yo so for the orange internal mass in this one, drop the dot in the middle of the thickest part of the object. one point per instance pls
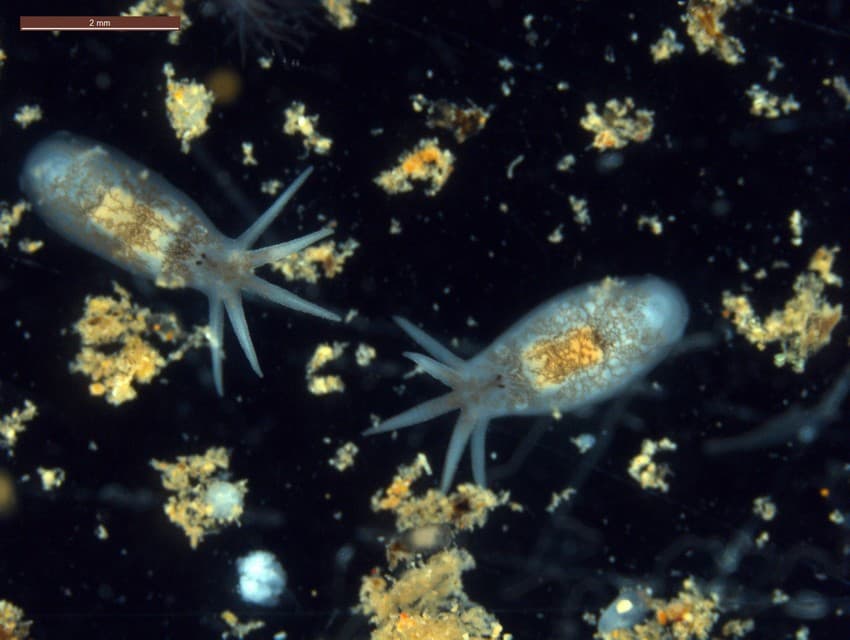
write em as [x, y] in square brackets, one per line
[553, 360]
[417, 161]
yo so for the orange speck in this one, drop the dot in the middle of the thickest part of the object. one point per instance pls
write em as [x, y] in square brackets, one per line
[824, 492]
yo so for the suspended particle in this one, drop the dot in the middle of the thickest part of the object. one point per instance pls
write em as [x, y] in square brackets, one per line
[261, 578]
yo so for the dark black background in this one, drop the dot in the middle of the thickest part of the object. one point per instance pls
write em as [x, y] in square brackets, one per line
[730, 180]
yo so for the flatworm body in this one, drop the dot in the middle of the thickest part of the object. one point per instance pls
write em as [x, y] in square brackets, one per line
[109, 204]
[579, 348]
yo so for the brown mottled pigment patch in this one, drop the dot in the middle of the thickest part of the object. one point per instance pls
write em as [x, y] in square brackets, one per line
[140, 229]
[551, 361]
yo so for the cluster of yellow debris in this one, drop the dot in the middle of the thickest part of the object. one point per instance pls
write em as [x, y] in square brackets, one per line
[14, 424]
[12, 623]
[426, 162]
[341, 12]
[425, 599]
[188, 104]
[297, 122]
[705, 26]
[325, 259]
[162, 8]
[10, 217]
[116, 351]
[803, 326]
[666, 46]
[618, 124]
[691, 615]
[322, 384]
[462, 122]
[765, 104]
[204, 499]
[649, 473]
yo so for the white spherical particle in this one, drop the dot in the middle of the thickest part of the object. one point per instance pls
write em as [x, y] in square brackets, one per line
[261, 578]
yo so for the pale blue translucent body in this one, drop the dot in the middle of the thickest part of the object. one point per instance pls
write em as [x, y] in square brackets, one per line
[634, 324]
[162, 234]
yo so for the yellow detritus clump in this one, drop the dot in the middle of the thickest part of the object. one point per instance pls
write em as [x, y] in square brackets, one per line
[188, 104]
[28, 114]
[248, 158]
[425, 163]
[14, 424]
[764, 508]
[653, 223]
[648, 473]
[322, 355]
[465, 509]
[344, 457]
[204, 499]
[704, 20]
[443, 114]
[551, 361]
[51, 478]
[236, 628]
[30, 246]
[804, 326]
[299, 123]
[691, 615]
[618, 124]
[340, 12]
[10, 217]
[426, 599]
[12, 623]
[364, 354]
[765, 104]
[326, 259]
[427, 602]
[163, 8]
[666, 46]
[116, 353]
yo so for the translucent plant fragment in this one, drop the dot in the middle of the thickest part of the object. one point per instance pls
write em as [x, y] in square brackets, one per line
[803, 326]
[463, 122]
[14, 424]
[426, 162]
[117, 350]
[12, 623]
[297, 122]
[188, 104]
[204, 499]
[704, 19]
[618, 124]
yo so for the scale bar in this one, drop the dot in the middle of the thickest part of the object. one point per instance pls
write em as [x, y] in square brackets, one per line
[100, 23]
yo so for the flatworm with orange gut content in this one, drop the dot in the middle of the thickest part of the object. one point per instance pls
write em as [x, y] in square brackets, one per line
[581, 347]
[109, 204]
